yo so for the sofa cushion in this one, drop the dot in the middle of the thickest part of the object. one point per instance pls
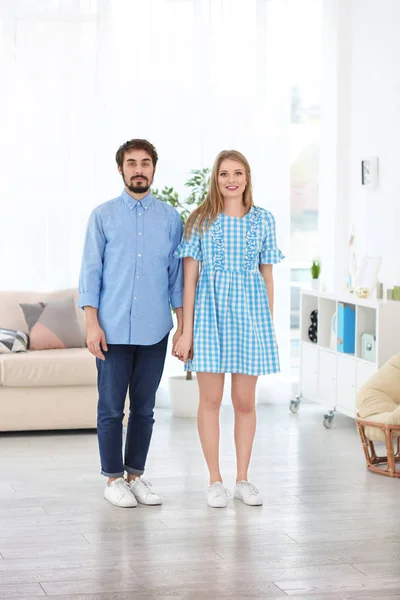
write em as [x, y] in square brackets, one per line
[53, 325]
[38, 368]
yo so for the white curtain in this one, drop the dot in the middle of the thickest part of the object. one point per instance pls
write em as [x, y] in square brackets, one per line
[80, 77]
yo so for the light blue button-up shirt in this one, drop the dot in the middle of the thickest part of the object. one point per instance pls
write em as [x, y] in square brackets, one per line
[128, 269]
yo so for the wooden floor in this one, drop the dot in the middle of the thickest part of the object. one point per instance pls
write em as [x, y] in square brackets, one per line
[328, 528]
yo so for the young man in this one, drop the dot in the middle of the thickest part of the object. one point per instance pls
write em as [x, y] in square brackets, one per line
[129, 280]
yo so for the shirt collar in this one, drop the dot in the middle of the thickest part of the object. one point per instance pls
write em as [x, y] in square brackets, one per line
[131, 202]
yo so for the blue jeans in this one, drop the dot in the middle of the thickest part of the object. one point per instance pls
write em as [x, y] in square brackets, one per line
[139, 369]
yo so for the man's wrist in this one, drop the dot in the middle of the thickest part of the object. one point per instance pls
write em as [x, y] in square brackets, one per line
[91, 315]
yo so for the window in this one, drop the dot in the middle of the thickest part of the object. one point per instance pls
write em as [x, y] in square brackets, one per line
[304, 62]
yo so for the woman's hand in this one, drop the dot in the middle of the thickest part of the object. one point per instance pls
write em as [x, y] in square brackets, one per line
[184, 348]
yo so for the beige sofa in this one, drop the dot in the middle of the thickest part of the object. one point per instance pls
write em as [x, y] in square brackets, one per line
[45, 389]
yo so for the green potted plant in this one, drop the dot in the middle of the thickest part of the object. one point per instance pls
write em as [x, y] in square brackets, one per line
[315, 273]
[197, 183]
[183, 389]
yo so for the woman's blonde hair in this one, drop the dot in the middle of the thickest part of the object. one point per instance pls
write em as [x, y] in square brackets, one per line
[207, 212]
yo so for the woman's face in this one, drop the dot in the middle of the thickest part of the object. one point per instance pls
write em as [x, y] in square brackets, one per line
[231, 179]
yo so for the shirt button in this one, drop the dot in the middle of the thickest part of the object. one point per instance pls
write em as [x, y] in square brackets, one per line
[140, 233]
[137, 276]
[139, 255]
[130, 208]
[140, 214]
[134, 297]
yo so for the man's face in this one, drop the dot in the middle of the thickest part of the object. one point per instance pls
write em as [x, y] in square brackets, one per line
[137, 171]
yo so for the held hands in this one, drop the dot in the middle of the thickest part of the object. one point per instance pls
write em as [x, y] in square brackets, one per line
[96, 340]
[183, 348]
[176, 337]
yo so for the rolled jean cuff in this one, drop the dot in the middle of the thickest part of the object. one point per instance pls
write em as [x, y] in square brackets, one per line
[133, 471]
[116, 475]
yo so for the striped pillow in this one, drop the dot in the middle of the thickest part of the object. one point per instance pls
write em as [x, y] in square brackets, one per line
[12, 340]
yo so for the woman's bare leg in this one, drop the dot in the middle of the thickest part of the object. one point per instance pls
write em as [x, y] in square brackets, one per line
[211, 387]
[244, 404]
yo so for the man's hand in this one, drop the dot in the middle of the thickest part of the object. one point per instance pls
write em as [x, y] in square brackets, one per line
[176, 337]
[96, 340]
[183, 348]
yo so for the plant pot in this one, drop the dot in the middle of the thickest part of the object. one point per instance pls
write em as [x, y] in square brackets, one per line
[184, 396]
[315, 284]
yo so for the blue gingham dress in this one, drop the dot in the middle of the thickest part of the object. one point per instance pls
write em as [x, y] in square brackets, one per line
[233, 329]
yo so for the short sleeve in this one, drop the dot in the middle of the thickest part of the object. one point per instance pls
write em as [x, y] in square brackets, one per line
[270, 253]
[190, 247]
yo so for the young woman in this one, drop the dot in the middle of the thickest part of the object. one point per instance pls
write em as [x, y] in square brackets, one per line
[229, 248]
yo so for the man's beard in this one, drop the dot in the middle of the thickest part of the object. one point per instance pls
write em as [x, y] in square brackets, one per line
[137, 187]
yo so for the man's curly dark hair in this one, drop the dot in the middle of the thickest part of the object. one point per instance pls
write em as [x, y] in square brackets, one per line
[136, 144]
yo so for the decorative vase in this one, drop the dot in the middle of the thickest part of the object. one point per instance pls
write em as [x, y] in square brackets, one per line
[352, 263]
[184, 396]
[315, 284]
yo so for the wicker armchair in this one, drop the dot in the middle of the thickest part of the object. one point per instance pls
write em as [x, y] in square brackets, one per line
[378, 420]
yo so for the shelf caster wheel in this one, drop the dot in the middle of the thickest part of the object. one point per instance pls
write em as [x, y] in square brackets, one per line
[295, 405]
[328, 419]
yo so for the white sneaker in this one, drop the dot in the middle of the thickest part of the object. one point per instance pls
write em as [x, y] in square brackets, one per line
[217, 495]
[119, 494]
[143, 493]
[248, 493]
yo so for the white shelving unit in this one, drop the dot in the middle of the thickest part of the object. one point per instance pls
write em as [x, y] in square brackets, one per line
[330, 377]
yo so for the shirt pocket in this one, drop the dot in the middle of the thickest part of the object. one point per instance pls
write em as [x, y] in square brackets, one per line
[160, 243]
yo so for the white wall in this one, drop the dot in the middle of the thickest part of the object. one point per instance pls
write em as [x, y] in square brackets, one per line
[375, 130]
[361, 118]
[335, 113]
